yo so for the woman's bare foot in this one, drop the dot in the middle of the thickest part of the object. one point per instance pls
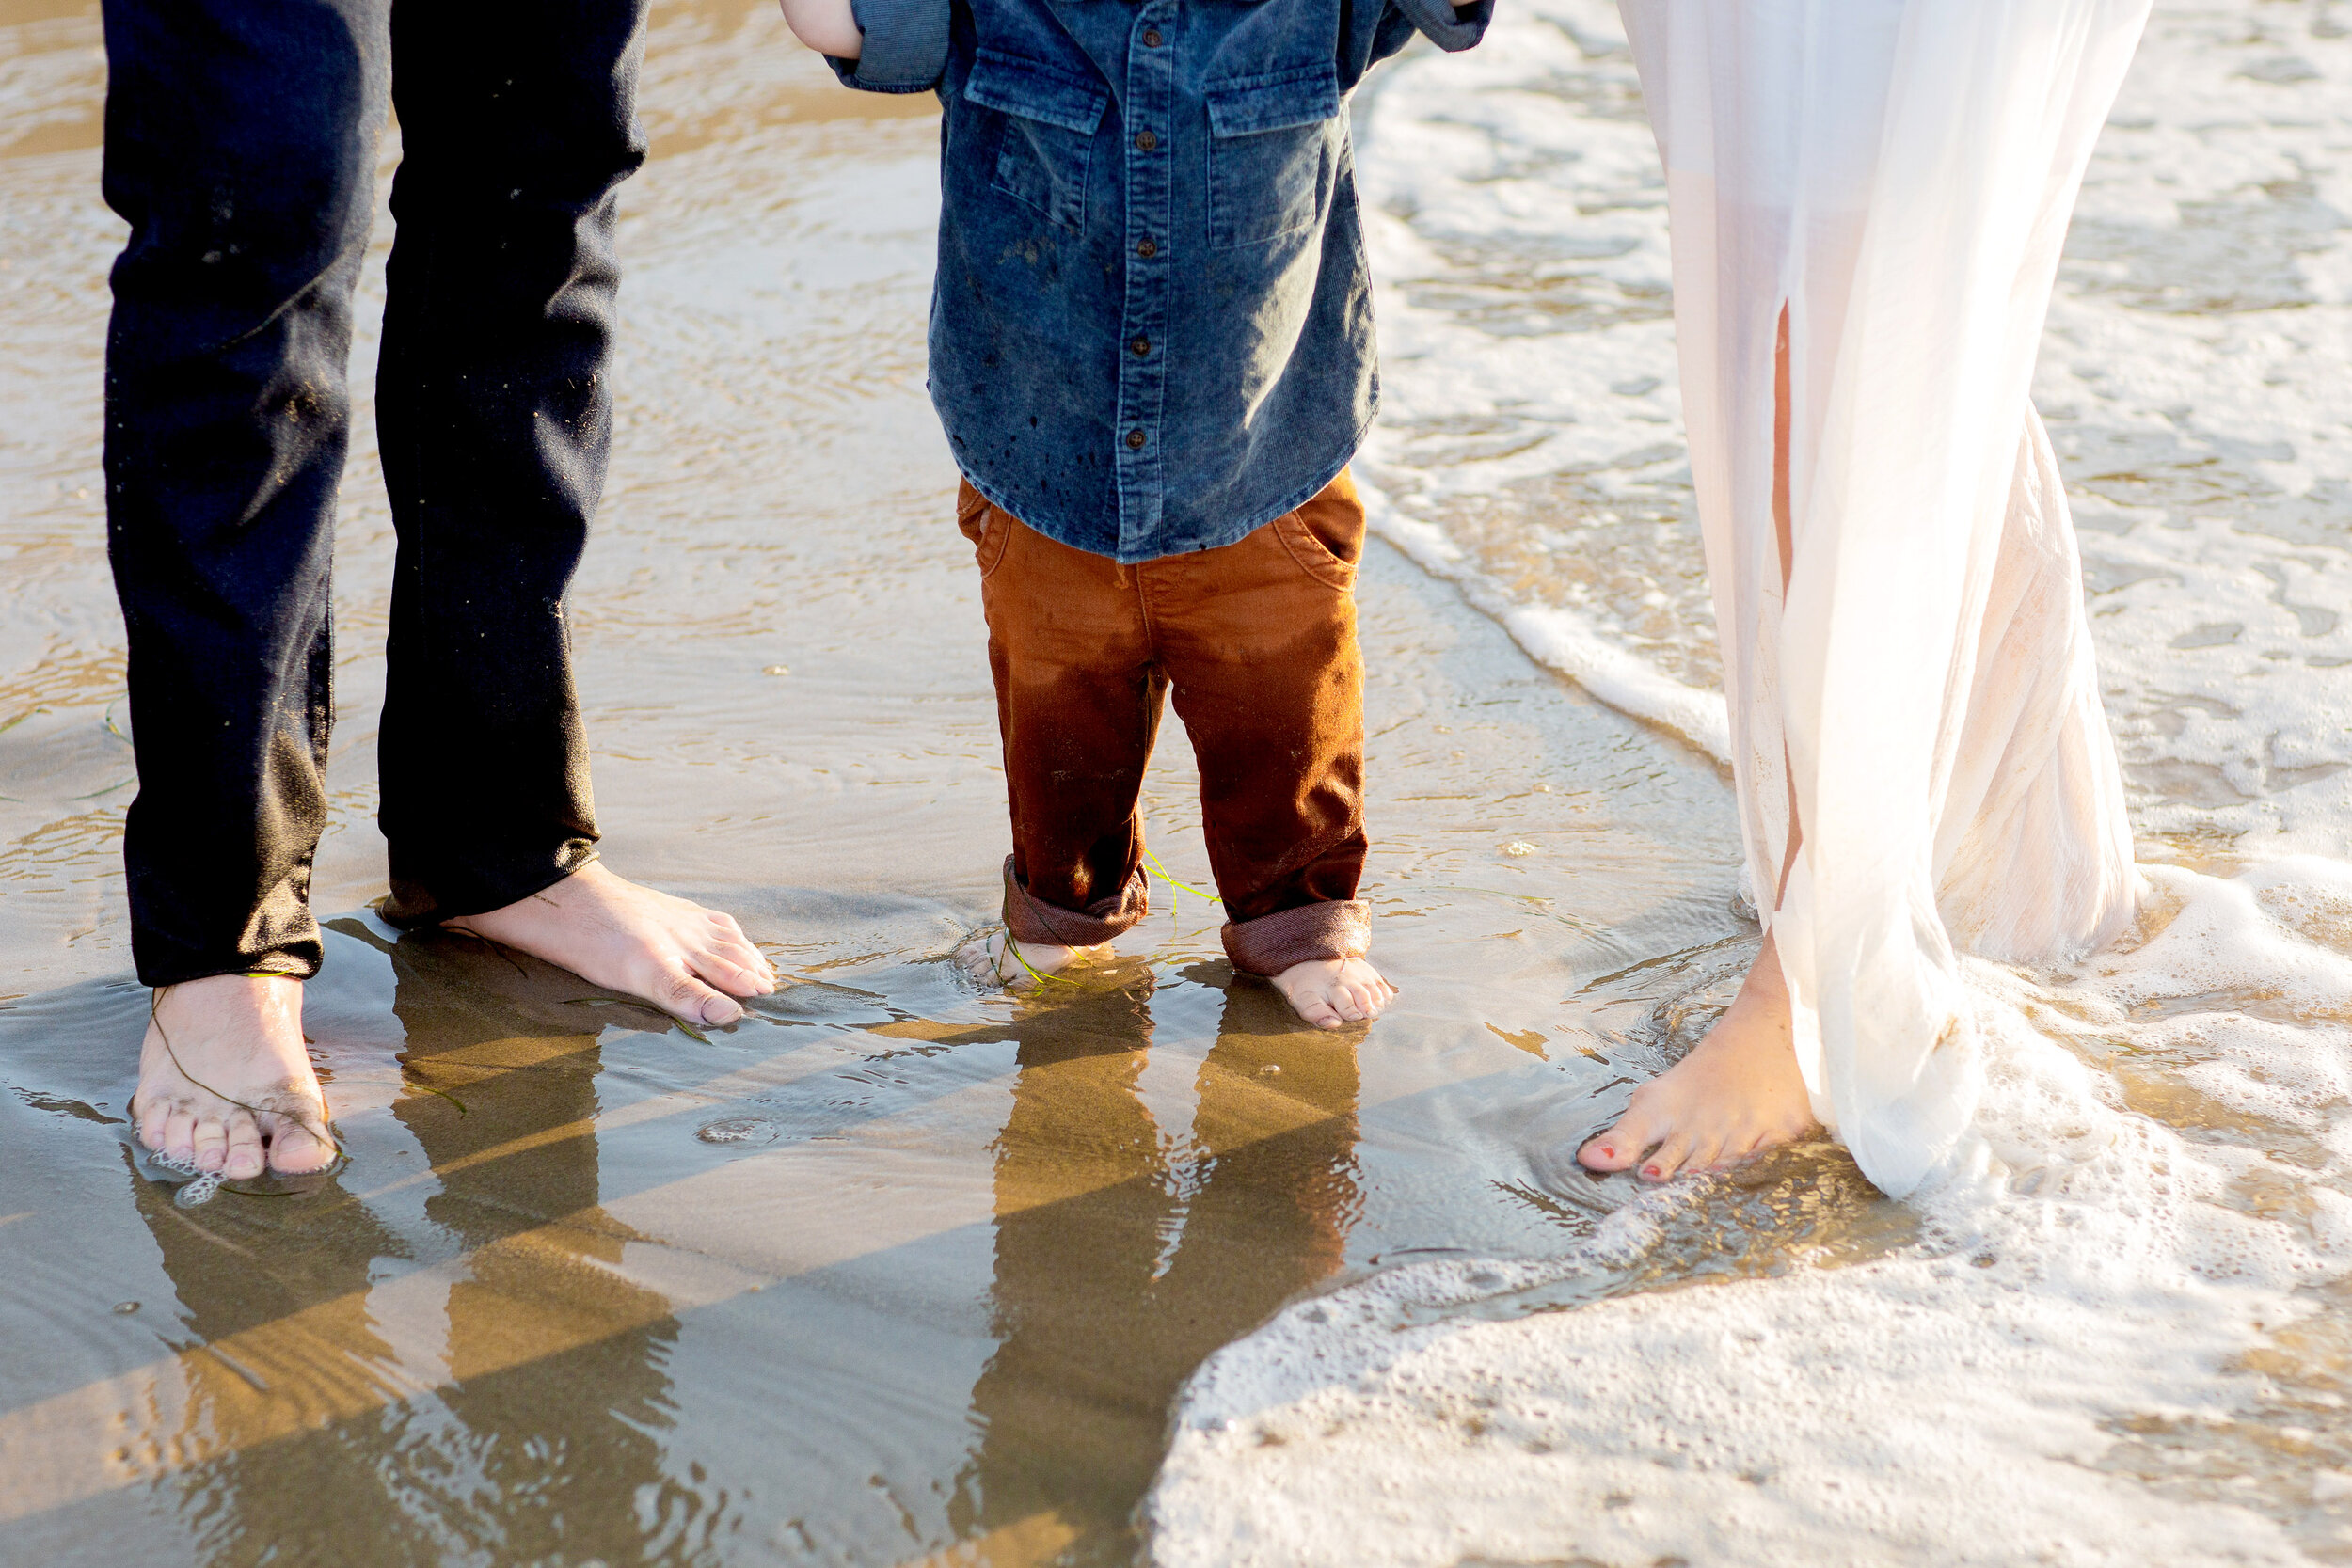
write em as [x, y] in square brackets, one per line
[225, 1079]
[691, 961]
[993, 959]
[1327, 992]
[1738, 1093]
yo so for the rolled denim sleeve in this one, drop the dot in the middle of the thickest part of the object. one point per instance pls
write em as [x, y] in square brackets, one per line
[1451, 27]
[906, 45]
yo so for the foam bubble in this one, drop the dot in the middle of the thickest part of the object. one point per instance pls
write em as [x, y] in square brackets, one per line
[2117, 1333]
[2085, 1299]
[1560, 639]
[2191, 378]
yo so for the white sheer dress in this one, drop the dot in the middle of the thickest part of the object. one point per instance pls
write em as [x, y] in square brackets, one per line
[1896, 175]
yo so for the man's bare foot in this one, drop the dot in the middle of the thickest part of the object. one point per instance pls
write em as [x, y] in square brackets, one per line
[1738, 1093]
[1327, 992]
[993, 959]
[691, 961]
[225, 1079]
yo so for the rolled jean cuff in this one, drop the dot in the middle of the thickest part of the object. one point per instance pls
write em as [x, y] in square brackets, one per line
[1029, 918]
[300, 959]
[1340, 929]
[412, 906]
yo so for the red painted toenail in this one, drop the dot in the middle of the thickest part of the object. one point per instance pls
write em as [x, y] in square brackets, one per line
[1607, 1153]
[1649, 1170]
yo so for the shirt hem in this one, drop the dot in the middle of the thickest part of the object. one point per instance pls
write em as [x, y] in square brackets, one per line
[1229, 533]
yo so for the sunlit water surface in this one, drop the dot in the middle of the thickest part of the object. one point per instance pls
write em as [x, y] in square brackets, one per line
[900, 1273]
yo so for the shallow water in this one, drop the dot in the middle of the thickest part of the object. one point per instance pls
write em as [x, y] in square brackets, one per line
[2122, 1335]
[895, 1272]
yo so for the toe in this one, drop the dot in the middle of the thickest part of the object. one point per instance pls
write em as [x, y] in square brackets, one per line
[1708, 1152]
[1744, 1146]
[208, 1142]
[734, 973]
[179, 1140]
[1671, 1157]
[1610, 1151]
[1317, 1010]
[244, 1158]
[740, 950]
[993, 959]
[294, 1146]
[1347, 1002]
[687, 997]
[1622, 1145]
[154, 1117]
[744, 950]
[756, 964]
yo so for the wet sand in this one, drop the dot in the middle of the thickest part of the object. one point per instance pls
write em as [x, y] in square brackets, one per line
[894, 1271]
[2123, 1338]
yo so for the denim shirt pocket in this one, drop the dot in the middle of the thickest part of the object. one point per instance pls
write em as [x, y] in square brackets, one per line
[1048, 137]
[1273, 150]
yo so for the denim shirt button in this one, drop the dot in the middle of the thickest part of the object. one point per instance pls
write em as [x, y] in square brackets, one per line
[1110, 170]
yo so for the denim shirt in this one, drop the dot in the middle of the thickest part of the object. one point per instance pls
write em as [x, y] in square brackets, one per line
[1152, 325]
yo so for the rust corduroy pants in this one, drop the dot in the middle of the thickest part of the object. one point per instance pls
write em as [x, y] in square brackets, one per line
[1256, 643]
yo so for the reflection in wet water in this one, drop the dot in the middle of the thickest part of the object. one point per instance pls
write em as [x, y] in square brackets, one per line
[946, 1296]
[539, 1443]
[1177, 1247]
[893, 1273]
[889, 1272]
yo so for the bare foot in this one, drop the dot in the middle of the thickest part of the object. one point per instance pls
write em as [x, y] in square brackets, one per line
[1327, 992]
[691, 961]
[1737, 1094]
[996, 959]
[225, 1081]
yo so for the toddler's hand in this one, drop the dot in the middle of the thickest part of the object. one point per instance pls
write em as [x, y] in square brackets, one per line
[828, 26]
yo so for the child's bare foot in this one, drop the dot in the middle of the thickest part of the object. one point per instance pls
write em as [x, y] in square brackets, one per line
[691, 961]
[1327, 992]
[1738, 1093]
[996, 959]
[225, 1079]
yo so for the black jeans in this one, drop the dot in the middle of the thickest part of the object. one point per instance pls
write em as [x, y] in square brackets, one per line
[242, 147]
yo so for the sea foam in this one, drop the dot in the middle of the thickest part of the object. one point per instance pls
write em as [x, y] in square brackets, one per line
[2042, 1376]
[2118, 1329]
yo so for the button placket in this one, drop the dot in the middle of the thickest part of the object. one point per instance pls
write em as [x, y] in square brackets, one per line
[1148, 104]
